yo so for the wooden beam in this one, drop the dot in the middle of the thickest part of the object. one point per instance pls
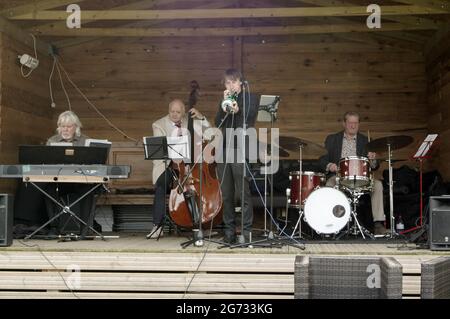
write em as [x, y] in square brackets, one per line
[80, 40]
[240, 13]
[24, 37]
[403, 19]
[400, 36]
[241, 31]
[432, 4]
[35, 6]
[138, 5]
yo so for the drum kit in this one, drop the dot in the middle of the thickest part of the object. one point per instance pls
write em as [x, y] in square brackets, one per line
[328, 210]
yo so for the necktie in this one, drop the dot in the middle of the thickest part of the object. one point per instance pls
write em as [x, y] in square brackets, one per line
[179, 132]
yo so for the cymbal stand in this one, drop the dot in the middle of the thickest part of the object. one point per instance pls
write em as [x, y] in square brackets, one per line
[391, 194]
[356, 228]
[298, 224]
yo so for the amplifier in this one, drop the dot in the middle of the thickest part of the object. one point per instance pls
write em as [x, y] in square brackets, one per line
[6, 219]
[439, 235]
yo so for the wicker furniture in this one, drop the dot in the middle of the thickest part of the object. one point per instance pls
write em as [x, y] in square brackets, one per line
[435, 278]
[347, 278]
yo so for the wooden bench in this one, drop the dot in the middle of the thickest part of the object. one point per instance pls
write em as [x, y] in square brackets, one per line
[125, 199]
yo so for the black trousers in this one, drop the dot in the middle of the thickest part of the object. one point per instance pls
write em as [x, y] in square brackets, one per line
[162, 188]
[66, 194]
[230, 175]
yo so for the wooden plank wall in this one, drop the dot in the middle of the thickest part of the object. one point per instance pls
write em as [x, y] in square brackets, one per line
[26, 116]
[318, 78]
[438, 71]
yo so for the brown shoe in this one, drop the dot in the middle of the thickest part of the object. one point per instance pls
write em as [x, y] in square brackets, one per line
[379, 229]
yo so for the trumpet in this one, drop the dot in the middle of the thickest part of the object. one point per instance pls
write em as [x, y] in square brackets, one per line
[227, 103]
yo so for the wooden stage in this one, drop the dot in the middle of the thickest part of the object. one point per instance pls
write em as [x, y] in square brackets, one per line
[134, 267]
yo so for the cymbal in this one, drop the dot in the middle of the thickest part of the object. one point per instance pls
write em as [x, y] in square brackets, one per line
[392, 160]
[281, 151]
[396, 142]
[291, 143]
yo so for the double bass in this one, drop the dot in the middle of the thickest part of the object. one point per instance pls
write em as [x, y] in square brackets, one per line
[196, 198]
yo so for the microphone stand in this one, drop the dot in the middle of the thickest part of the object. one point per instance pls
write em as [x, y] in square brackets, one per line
[241, 238]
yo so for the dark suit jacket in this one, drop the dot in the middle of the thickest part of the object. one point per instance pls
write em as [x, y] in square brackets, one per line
[333, 144]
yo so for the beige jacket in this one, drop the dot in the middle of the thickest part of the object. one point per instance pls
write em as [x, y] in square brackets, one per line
[165, 127]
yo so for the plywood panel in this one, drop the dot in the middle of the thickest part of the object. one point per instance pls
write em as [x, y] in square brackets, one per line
[26, 116]
[438, 72]
[319, 78]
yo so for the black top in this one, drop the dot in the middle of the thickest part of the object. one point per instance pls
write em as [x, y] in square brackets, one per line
[236, 120]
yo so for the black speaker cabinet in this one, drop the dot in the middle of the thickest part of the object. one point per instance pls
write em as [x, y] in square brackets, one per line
[6, 219]
[439, 236]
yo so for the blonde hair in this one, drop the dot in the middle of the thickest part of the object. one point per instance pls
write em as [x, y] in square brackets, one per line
[70, 118]
[350, 113]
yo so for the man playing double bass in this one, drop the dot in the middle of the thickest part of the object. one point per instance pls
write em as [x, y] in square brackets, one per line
[173, 124]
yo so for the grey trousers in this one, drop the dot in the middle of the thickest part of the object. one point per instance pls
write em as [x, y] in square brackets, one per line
[230, 176]
[376, 197]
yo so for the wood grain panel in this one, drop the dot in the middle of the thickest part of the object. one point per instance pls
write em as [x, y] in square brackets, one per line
[318, 78]
[438, 72]
[26, 116]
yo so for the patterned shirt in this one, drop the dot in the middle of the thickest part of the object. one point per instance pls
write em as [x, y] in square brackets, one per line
[348, 146]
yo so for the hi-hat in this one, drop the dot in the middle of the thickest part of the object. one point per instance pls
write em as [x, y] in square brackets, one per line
[291, 143]
[396, 142]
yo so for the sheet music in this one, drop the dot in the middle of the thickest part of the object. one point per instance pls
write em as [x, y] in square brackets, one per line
[96, 142]
[178, 147]
[425, 146]
[268, 105]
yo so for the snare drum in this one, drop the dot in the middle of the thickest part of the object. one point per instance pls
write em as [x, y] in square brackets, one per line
[310, 182]
[354, 172]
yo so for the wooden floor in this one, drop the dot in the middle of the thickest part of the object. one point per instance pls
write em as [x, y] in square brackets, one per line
[134, 267]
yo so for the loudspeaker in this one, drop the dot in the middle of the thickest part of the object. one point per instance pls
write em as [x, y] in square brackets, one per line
[6, 219]
[439, 236]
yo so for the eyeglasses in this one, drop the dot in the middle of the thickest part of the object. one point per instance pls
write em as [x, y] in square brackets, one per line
[66, 126]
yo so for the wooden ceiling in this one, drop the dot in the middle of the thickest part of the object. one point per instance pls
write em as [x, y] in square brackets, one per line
[411, 21]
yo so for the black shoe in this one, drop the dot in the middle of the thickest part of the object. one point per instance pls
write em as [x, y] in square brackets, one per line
[53, 232]
[229, 239]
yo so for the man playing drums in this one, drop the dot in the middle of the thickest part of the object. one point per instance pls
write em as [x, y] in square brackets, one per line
[346, 146]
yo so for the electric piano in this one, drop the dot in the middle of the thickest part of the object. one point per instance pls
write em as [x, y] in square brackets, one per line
[70, 173]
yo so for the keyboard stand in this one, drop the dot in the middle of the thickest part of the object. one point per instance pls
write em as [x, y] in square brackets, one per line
[65, 210]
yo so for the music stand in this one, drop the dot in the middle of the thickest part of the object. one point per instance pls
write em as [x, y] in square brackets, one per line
[267, 112]
[424, 152]
[155, 148]
[166, 148]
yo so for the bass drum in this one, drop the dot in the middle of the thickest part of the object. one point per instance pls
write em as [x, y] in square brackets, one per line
[327, 210]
